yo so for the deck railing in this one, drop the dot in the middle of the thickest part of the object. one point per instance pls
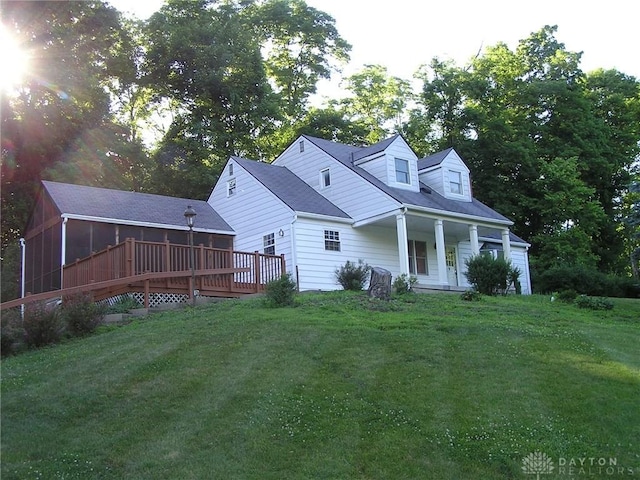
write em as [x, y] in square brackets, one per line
[217, 271]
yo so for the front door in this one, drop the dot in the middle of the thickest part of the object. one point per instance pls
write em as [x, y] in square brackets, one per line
[452, 265]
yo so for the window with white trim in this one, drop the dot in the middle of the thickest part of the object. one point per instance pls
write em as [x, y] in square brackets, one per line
[325, 178]
[402, 171]
[418, 263]
[455, 182]
[332, 240]
[231, 187]
[231, 169]
[269, 244]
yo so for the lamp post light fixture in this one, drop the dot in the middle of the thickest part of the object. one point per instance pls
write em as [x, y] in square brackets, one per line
[190, 216]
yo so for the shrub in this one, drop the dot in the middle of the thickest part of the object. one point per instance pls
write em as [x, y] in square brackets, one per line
[471, 296]
[594, 303]
[123, 304]
[404, 283]
[489, 275]
[281, 292]
[585, 281]
[567, 296]
[352, 276]
[12, 333]
[81, 314]
[43, 324]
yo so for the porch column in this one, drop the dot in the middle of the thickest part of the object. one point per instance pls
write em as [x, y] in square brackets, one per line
[443, 278]
[473, 237]
[506, 244]
[403, 248]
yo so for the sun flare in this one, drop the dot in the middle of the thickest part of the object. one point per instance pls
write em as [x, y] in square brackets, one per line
[14, 62]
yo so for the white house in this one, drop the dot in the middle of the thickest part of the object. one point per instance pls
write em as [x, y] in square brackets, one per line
[321, 203]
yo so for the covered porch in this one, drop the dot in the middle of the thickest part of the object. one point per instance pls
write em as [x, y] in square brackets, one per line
[433, 246]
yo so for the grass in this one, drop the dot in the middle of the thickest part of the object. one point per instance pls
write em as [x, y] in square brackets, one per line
[337, 387]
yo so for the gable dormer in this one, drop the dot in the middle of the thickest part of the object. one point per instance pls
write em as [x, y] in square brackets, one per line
[391, 161]
[447, 174]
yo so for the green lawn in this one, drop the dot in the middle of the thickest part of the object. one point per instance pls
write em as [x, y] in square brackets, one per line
[337, 387]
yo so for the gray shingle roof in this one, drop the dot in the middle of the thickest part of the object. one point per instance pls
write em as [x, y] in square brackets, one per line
[290, 189]
[132, 207]
[433, 160]
[345, 154]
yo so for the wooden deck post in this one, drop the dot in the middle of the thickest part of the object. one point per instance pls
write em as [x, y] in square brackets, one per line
[256, 270]
[146, 293]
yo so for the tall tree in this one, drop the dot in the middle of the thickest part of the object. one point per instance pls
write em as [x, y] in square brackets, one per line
[301, 45]
[526, 119]
[201, 56]
[62, 106]
[378, 102]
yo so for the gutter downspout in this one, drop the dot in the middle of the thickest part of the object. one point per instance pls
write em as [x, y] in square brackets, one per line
[23, 261]
[63, 252]
[294, 262]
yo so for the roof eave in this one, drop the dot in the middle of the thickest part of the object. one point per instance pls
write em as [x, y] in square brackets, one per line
[119, 221]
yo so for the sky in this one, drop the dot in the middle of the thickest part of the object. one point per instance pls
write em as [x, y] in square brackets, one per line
[401, 35]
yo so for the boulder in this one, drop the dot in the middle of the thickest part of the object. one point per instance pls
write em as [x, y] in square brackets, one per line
[380, 283]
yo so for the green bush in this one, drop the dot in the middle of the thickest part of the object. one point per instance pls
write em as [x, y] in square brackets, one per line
[491, 276]
[12, 333]
[471, 296]
[352, 276]
[594, 303]
[566, 296]
[81, 314]
[281, 292]
[43, 324]
[404, 283]
[585, 281]
[123, 304]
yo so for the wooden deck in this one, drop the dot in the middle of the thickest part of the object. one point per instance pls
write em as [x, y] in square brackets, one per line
[152, 267]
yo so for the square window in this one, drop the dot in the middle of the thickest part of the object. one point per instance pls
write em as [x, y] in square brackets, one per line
[269, 244]
[332, 240]
[455, 182]
[402, 171]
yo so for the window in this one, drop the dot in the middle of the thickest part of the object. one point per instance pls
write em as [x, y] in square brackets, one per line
[418, 264]
[231, 187]
[402, 171]
[325, 178]
[269, 242]
[455, 182]
[231, 169]
[301, 144]
[332, 240]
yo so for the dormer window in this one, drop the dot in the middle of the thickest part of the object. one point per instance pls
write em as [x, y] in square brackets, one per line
[402, 171]
[455, 182]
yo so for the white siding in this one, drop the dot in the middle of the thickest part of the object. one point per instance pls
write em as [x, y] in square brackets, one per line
[348, 190]
[520, 259]
[464, 253]
[245, 212]
[316, 266]
[438, 177]
[434, 179]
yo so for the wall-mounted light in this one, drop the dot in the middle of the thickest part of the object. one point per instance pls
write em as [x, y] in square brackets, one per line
[281, 233]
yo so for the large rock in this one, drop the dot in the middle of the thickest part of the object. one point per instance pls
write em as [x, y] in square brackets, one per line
[380, 283]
